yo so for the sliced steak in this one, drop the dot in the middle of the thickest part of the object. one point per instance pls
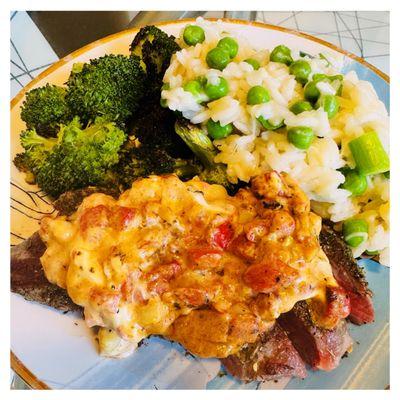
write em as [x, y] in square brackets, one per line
[27, 275]
[349, 275]
[319, 348]
[272, 357]
[28, 278]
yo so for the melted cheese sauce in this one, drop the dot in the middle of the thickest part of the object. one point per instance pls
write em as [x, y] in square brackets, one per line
[187, 261]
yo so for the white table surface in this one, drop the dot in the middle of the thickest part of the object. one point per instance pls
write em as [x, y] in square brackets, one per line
[364, 33]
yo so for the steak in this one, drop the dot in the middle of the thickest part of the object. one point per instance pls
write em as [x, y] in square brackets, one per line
[272, 357]
[27, 275]
[349, 275]
[319, 348]
[69, 201]
[28, 278]
[282, 352]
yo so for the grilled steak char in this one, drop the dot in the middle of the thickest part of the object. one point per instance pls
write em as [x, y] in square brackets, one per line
[319, 348]
[348, 275]
[272, 357]
[28, 278]
[27, 275]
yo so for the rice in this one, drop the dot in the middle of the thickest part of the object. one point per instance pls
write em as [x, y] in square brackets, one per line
[251, 150]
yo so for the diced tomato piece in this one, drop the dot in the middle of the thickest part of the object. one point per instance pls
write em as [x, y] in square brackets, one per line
[105, 299]
[244, 248]
[222, 235]
[256, 229]
[158, 278]
[197, 253]
[166, 271]
[95, 217]
[204, 257]
[191, 296]
[122, 217]
[269, 275]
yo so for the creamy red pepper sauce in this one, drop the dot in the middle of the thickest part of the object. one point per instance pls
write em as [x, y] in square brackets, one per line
[187, 261]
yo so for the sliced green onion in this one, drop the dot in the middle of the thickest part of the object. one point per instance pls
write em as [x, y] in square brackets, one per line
[355, 231]
[322, 56]
[304, 54]
[268, 123]
[369, 154]
[355, 183]
[329, 103]
[387, 174]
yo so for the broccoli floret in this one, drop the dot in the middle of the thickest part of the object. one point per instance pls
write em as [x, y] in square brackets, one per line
[30, 138]
[37, 148]
[111, 87]
[140, 160]
[203, 148]
[155, 48]
[154, 125]
[44, 109]
[76, 159]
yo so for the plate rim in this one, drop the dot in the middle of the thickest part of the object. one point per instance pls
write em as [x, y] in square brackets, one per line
[16, 364]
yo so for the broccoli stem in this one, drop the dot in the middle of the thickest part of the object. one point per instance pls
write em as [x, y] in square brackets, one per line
[197, 141]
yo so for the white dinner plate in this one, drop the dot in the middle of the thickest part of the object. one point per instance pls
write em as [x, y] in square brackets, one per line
[50, 349]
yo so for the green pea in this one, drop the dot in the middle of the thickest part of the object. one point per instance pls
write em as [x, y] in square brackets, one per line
[329, 103]
[193, 34]
[257, 95]
[301, 137]
[355, 183]
[355, 231]
[216, 131]
[300, 106]
[254, 63]
[301, 70]
[281, 54]
[163, 102]
[218, 58]
[215, 92]
[196, 89]
[230, 45]
[267, 123]
[311, 92]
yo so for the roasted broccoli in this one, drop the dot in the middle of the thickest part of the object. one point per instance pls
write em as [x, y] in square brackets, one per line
[154, 125]
[139, 160]
[75, 159]
[155, 48]
[44, 109]
[203, 148]
[111, 87]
